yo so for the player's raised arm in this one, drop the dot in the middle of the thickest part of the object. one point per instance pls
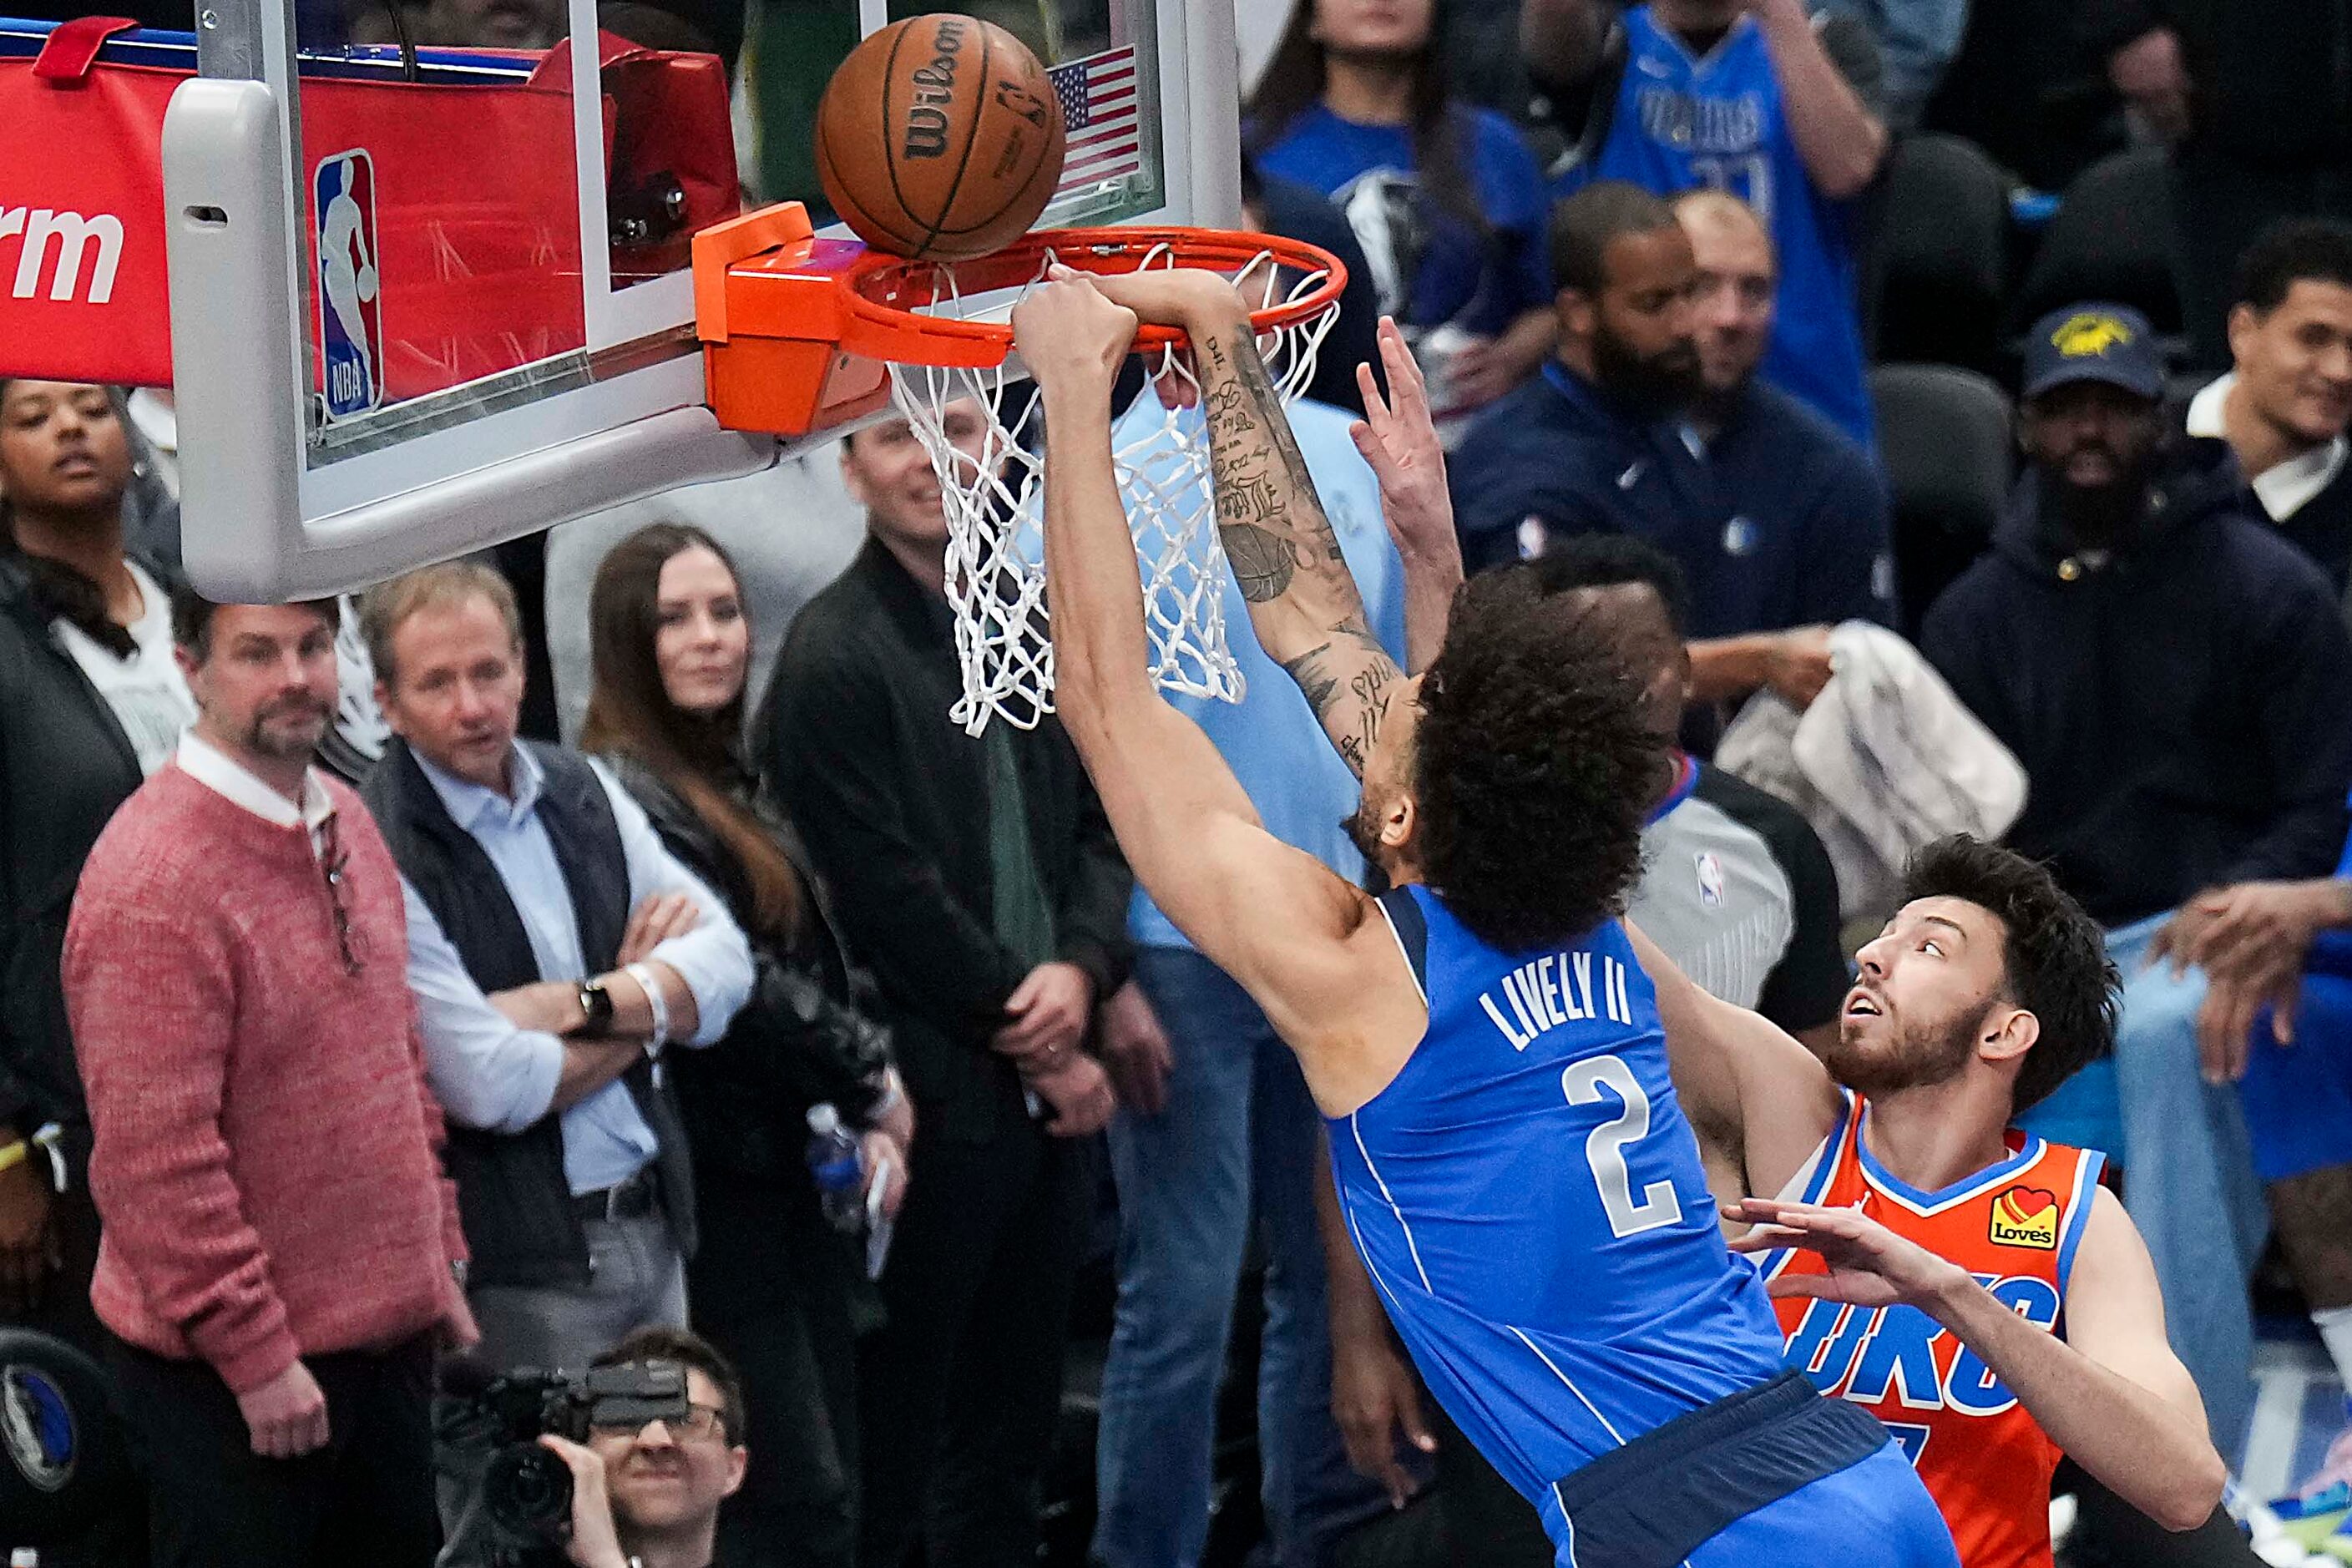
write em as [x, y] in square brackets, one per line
[1399, 439]
[1303, 601]
[1294, 935]
[2111, 1394]
[1746, 1085]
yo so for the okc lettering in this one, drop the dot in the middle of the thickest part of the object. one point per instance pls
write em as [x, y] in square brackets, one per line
[1884, 1355]
[927, 118]
[1553, 990]
[35, 227]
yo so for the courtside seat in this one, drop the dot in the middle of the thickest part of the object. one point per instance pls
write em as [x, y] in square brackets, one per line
[2111, 241]
[1938, 275]
[1944, 436]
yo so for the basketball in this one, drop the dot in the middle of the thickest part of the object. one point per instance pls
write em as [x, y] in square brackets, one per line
[939, 137]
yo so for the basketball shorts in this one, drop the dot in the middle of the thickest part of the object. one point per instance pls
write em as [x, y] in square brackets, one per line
[2298, 1097]
[1777, 1474]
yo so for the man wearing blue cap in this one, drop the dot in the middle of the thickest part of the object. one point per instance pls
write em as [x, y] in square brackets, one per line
[2177, 683]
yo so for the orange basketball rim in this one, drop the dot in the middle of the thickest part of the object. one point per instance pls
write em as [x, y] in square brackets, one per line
[798, 330]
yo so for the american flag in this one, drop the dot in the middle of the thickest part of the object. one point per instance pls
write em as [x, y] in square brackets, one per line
[1099, 108]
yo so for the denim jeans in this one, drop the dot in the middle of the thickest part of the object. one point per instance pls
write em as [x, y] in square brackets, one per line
[2188, 1173]
[1236, 1141]
[634, 1279]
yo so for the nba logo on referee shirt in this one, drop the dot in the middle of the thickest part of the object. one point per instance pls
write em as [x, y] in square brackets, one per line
[1710, 879]
[347, 284]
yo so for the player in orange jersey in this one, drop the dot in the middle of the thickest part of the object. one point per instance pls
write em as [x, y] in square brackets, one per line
[1972, 1286]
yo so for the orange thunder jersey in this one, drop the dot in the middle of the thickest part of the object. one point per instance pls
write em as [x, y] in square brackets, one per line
[2014, 1225]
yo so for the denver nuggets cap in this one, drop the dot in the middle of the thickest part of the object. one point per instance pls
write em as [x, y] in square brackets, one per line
[2113, 343]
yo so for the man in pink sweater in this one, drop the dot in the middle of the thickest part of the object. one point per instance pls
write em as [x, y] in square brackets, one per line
[280, 1254]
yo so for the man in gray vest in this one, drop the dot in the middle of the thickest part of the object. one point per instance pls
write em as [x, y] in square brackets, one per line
[554, 949]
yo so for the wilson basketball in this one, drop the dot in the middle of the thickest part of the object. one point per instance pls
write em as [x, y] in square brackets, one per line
[939, 137]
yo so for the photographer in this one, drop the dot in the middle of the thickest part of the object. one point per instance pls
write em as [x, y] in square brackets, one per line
[649, 1497]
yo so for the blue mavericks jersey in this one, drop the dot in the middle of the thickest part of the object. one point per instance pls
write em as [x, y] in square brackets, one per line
[1681, 123]
[1529, 1200]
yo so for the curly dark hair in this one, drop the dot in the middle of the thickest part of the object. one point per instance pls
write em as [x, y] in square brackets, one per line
[1532, 771]
[2054, 957]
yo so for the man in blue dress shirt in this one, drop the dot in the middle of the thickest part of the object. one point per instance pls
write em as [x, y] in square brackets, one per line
[554, 949]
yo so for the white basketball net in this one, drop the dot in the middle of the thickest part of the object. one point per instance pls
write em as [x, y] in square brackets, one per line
[995, 560]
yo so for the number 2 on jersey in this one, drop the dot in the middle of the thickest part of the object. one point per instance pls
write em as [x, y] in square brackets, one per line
[1604, 1149]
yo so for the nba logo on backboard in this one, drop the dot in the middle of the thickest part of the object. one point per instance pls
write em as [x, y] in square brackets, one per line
[351, 323]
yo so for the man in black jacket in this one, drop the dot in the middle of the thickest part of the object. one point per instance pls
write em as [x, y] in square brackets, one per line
[2177, 683]
[980, 880]
[2283, 406]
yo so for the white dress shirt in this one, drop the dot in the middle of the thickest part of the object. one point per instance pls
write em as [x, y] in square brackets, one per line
[225, 776]
[492, 1075]
[2283, 489]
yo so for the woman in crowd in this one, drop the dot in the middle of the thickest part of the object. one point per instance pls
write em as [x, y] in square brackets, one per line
[1445, 199]
[772, 1285]
[91, 701]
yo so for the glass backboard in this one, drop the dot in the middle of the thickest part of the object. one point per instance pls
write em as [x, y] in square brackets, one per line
[429, 270]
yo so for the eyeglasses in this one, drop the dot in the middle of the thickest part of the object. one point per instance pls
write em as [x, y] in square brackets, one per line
[701, 1420]
[332, 861]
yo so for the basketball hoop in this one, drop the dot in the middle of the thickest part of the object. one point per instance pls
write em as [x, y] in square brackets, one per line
[802, 333]
[994, 491]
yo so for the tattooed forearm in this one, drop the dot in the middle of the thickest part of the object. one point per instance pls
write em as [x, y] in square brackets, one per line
[1269, 518]
[1348, 682]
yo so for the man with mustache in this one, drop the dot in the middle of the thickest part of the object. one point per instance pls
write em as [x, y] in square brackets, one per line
[235, 975]
[2176, 680]
[1641, 425]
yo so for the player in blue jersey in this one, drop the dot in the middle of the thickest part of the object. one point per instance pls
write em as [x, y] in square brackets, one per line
[1746, 96]
[1510, 1153]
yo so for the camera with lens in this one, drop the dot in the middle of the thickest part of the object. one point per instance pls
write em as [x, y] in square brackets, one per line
[516, 1511]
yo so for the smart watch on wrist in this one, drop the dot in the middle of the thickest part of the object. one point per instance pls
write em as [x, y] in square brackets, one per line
[596, 1006]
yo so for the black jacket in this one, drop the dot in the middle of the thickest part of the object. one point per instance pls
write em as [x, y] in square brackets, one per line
[65, 765]
[2321, 527]
[808, 1033]
[2183, 712]
[892, 799]
[513, 1197]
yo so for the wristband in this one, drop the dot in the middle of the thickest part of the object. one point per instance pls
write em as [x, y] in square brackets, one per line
[655, 1002]
[15, 1154]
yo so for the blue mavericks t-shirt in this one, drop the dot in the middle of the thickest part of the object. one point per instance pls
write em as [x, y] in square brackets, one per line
[1681, 123]
[1528, 1198]
[1271, 737]
[1430, 268]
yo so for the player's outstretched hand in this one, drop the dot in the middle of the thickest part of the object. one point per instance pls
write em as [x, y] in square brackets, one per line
[1399, 439]
[1870, 1265]
[1069, 337]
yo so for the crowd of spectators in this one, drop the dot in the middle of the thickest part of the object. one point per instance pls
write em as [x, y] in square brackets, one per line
[350, 1018]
